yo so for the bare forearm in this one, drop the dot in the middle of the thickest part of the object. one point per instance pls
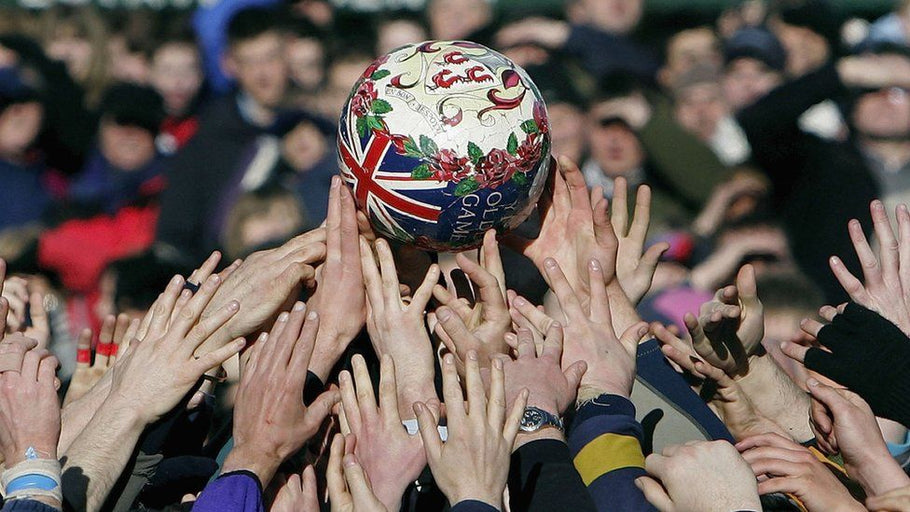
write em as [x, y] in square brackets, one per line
[97, 457]
[77, 414]
[777, 397]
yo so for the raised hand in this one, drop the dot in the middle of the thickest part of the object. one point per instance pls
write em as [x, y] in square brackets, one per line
[382, 442]
[863, 351]
[264, 284]
[298, 494]
[590, 335]
[727, 398]
[634, 269]
[574, 229]
[728, 336]
[15, 292]
[885, 288]
[268, 431]
[347, 481]
[339, 299]
[482, 327]
[846, 423]
[29, 410]
[397, 327]
[159, 371]
[115, 333]
[473, 463]
[30, 419]
[699, 477]
[791, 468]
[537, 369]
[730, 327]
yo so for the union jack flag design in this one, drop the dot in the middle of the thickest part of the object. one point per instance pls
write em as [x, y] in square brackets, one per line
[443, 141]
[382, 183]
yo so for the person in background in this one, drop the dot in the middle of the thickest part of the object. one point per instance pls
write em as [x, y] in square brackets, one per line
[451, 20]
[262, 219]
[686, 49]
[881, 116]
[754, 62]
[397, 30]
[26, 192]
[599, 34]
[701, 108]
[228, 130]
[306, 56]
[112, 205]
[77, 36]
[176, 73]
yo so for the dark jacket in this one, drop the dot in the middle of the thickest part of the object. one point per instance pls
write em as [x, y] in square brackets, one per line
[198, 177]
[819, 185]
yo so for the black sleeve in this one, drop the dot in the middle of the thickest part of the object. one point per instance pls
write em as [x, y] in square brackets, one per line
[181, 223]
[543, 478]
[772, 123]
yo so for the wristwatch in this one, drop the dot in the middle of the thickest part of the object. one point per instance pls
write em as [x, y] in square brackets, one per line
[535, 419]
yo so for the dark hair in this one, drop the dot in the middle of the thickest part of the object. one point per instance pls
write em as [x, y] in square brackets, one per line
[616, 85]
[251, 23]
[178, 31]
[790, 290]
[139, 280]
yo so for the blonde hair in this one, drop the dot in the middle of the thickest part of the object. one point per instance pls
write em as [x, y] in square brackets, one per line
[82, 22]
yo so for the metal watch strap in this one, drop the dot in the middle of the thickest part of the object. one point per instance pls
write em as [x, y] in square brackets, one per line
[535, 419]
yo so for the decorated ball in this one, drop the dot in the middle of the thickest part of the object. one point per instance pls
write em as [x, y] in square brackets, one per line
[442, 141]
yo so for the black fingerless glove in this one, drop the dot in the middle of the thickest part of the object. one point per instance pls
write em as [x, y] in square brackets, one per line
[871, 356]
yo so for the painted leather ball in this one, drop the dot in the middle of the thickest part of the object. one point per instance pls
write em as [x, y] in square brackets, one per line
[442, 141]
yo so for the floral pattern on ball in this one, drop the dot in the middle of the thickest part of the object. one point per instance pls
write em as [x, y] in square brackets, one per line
[443, 140]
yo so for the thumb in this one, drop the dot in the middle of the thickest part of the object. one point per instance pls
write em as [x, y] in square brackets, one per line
[632, 336]
[831, 397]
[655, 493]
[574, 373]
[319, 410]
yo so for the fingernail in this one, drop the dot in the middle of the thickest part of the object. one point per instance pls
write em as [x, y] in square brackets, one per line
[877, 205]
[642, 331]
[811, 382]
[312, 315]
[449, 359]
[594, 264]
[335, 181]
[283, 317]
[784, 345]
[262, 337]
[497, 363]
[298, 306]
[349, 461]
[443, 313]
[520, 301]
[637, 483]
[234, 305]
[215, 278]
[549, 263]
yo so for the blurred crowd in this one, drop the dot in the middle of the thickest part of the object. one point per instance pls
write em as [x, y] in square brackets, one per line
[719, 179]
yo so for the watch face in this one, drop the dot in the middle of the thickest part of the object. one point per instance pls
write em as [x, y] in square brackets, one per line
[531, 420]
